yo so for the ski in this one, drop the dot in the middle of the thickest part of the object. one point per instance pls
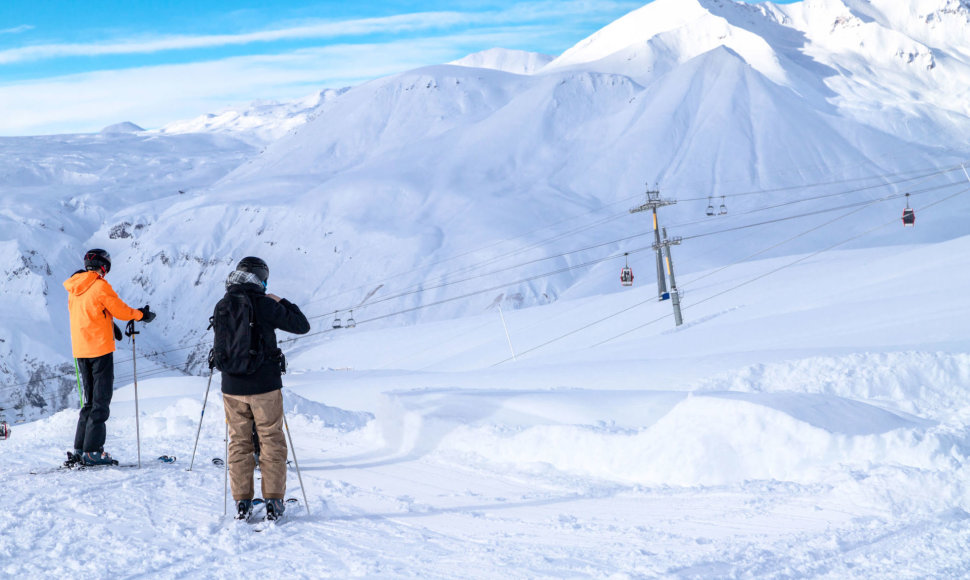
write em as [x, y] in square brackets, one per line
[78, 467]
[264, 524]
[87, 467]
[72, 465]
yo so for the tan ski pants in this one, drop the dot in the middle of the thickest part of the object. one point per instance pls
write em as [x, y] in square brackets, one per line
[266, 411]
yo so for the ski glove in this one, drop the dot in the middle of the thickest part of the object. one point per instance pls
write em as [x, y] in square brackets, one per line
[146, 314]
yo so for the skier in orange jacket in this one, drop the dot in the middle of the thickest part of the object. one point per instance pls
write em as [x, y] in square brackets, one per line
[93, 305]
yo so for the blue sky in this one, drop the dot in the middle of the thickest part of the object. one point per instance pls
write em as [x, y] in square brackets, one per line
[77, 66]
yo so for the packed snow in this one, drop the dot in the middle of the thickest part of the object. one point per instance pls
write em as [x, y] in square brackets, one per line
[817, 425]
[503, 407]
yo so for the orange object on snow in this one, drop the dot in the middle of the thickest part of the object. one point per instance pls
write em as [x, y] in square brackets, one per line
[93, 305]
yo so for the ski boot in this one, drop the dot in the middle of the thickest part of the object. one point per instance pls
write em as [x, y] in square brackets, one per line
[73, 459]
[244, 508]
[274, 509]
[89, 458]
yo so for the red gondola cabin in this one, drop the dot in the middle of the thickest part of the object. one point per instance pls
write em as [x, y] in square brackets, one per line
[909, 217]
[626, 276]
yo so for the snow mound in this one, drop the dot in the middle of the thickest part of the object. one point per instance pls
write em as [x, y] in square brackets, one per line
[663, 438]
[331, 417]
[922, 383]
[126, 127]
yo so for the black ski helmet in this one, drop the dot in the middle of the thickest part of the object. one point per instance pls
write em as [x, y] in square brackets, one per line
[255, 265]
[98, 260]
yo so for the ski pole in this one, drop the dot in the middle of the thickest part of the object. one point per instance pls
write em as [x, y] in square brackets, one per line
[130, 331]
[296, 463]
[225, 485]
[204, 401]
[77, 373]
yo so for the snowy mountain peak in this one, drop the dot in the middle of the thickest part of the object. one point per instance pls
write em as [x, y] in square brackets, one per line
[513, 61]
[261, 121]
[666, 33]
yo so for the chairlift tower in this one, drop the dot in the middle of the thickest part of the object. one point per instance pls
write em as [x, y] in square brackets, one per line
[674, 292]
[653, 202]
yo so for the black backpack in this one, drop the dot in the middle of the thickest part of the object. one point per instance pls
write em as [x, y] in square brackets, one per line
[238, 348]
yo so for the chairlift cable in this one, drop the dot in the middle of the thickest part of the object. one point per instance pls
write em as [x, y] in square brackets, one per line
[653, 299]
[418, 290]
[496, 243]
[410, 289]
[918, 179]
[926, 174]
[790, 264]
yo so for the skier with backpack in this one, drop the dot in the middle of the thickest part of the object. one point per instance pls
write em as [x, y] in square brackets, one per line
[246, 352]
[93, 304]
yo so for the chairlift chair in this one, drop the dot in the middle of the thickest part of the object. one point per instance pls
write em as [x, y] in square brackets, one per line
[336, 320]
[626, 274]
[710, 206]
[351, 323]
[723, 209]
[909, 215]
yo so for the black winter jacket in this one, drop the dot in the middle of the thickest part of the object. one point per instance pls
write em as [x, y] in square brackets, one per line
[269, 315]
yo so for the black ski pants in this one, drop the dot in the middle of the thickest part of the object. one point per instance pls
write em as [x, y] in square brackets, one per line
[97, 378]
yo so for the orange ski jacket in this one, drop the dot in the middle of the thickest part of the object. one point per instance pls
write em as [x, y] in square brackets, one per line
[93, 304]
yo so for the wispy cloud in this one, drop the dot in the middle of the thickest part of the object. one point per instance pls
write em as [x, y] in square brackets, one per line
[156, 95]
[16, 29]
[414, 23]
[406, 23]
[152, 96]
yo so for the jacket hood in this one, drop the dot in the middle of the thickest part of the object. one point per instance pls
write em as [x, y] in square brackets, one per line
[81, 282]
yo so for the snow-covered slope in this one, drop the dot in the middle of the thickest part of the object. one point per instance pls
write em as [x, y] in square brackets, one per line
[817, 428]
[58, 192]
[513, 61]
[891, 65]
[260, 123]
